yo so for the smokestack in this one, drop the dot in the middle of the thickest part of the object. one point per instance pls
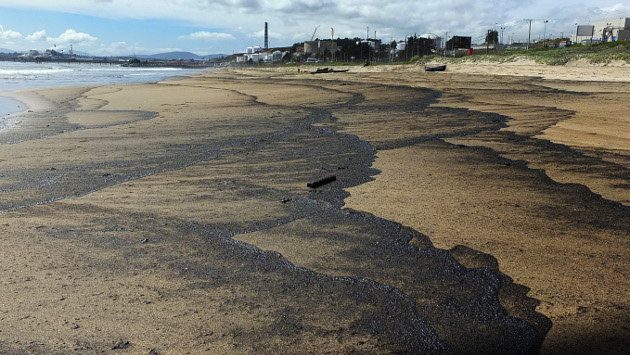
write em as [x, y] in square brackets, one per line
[266, 37]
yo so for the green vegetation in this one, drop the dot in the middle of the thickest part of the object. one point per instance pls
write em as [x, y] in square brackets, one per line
[597, 53]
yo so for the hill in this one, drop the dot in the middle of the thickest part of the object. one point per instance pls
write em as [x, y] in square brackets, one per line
[179, 55]
[4, 50]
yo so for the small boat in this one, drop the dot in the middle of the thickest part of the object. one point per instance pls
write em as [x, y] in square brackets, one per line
[438, 68]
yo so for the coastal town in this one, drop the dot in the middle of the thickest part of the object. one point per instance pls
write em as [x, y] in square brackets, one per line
[353, 50]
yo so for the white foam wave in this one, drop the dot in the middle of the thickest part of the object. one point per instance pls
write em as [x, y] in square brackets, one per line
[31, 72]
[128, 69]
[18, 76]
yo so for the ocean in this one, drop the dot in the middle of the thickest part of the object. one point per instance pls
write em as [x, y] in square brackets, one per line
[19, 76]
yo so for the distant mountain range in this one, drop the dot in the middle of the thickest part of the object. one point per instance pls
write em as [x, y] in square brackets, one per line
[179, 55]
[161, 56]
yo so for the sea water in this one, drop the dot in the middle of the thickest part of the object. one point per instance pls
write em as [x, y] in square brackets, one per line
[19, 76]
[9, 106]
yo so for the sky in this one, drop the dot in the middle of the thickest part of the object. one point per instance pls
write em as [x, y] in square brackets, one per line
[125, 27]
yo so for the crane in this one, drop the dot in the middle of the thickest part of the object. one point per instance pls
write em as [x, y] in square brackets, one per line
[315, 31]
[313, 36]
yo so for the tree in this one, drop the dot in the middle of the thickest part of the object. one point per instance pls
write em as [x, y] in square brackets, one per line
[416, 46]
[492, 37]
[347, 48]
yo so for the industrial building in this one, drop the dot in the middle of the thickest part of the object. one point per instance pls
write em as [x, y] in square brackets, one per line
[604, 31]
[612, 30]
[319, 47]
[257, 55]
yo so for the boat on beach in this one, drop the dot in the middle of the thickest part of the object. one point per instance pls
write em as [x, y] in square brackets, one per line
[438, 68]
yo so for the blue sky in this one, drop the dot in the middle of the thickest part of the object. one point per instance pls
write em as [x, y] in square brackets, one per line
[122, 27]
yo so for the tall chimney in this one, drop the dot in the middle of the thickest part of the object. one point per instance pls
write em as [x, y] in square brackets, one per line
[266, 37]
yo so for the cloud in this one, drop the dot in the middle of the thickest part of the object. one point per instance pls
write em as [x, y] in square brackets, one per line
[294, 20]
[37, 36]
[72, 36]
[248, 4]
[8, 34]
[616, 10]
[207, 36]
[395, 18]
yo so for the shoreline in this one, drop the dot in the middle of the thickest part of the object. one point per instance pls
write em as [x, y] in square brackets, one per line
[10, 107]
[25, 76]
[191, 195]
[26, 99]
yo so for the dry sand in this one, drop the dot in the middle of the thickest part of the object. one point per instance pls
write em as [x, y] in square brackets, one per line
[174, 217]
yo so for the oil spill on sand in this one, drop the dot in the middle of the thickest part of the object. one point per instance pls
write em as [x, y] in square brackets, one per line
[374, 292]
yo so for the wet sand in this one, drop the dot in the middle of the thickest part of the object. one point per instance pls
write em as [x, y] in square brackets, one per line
[174, 217]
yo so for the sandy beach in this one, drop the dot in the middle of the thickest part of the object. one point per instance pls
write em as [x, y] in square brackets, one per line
[484, 209]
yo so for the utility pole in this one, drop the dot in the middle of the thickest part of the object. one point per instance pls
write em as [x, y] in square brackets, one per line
[367, 36]
[545, 35]
[332, 43]
[529, 35]
[445, 40]
[406, 48]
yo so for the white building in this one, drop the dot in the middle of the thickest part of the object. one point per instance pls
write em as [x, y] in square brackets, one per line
[254, 49]
[610, 30]
[255, 55]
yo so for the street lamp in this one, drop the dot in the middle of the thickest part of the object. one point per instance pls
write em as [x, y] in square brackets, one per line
[545, 35]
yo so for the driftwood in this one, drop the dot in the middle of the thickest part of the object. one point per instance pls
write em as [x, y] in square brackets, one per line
[328, 70]
[322, 181]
